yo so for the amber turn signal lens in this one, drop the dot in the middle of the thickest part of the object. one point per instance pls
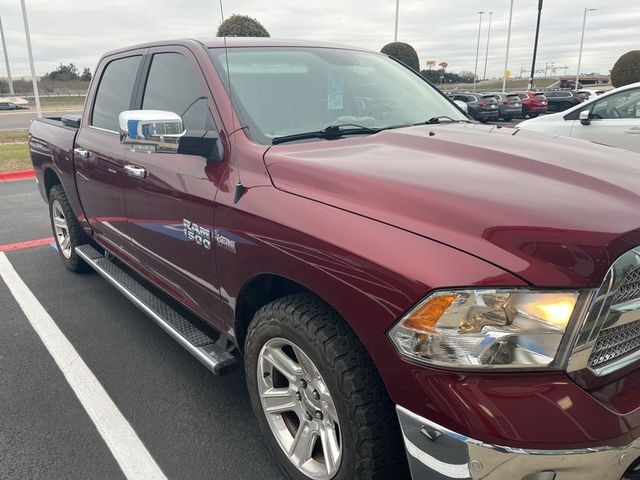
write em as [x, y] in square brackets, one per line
[427, 315]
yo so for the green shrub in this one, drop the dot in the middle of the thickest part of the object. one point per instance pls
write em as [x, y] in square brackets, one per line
[403, 52]
[241, 26]
[627, 69]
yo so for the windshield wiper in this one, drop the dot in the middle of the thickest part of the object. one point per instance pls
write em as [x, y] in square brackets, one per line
[435, 120]
[330, 132]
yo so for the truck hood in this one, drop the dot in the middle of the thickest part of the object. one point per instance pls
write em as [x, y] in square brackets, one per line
[552, 210]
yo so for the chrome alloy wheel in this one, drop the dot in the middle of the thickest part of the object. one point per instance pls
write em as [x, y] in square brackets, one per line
[61, 229]
[299, 409]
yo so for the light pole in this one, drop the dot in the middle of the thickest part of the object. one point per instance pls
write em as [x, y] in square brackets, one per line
[475, 70]
[584, 24]
[6, 60]
[34, 80]
[535, 46]
[486, 53]
[506, 57]
[395, 35]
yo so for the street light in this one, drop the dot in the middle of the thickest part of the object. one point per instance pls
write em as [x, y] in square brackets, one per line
[486, 54]
[475, 70]
[395, 35]
[584, 24]
[34, 80]
[506, 57]
[535, 46]
[6, 60]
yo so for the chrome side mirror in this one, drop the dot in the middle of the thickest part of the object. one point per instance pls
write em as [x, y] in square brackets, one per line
[151, 130]
[584, 117]
[462, 106]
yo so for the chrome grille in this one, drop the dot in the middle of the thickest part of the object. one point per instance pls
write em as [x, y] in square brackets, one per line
[629, 288]
[614, 343]
[609, 338]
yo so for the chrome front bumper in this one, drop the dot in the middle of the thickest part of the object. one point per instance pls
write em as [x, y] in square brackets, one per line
[437, 453]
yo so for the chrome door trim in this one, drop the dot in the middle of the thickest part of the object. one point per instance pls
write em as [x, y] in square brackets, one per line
[100, 129]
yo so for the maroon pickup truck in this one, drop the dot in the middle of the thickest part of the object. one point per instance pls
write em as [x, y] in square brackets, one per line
[409, 292]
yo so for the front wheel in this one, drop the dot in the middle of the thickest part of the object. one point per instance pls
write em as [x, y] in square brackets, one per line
[320, 403]
[67, 232]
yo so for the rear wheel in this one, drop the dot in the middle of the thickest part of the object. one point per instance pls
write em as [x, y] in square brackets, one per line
[507, 119]
[319, 401]
[532, 115]
[67, 231]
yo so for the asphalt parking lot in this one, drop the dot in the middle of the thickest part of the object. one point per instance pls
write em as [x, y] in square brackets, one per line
[193, 424]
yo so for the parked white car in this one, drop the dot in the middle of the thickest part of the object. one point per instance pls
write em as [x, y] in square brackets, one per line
[612, 118]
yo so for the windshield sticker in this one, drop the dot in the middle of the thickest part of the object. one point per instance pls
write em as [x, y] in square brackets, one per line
[335, 93]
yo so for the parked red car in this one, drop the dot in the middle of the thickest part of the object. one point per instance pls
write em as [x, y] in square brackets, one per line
[389, 273]
[533, 103]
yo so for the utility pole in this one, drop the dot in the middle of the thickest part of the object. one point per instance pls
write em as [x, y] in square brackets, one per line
[584, 24]
[34, 80]
[6, 59]
[535, 47]
[395, 35]
[506, 57]
[475, 70]
[486, 54]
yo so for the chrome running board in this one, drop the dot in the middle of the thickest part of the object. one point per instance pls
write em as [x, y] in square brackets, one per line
[212, 354]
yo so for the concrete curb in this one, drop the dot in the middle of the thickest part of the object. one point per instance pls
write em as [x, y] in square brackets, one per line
[17, 175]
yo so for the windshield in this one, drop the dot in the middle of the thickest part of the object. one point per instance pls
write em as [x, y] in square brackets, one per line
[280, 91]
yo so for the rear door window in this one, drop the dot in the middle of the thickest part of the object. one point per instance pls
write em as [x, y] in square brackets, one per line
[541, 96]
[114, 92]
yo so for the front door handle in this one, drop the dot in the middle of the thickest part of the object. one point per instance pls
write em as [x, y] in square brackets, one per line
[633, 131]
[135, 171]
[82, 153]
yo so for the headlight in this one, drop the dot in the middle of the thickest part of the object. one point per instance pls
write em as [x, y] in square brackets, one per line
[486, 328]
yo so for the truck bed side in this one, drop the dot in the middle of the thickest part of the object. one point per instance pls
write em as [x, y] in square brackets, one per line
[51, 146]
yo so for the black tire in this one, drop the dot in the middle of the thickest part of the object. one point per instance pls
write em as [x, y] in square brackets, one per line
[372, 445]
[77, 236]
[564, 106]
[507, 119]
[532, 115]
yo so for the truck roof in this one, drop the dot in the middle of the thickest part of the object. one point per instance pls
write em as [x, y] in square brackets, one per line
[232, 42]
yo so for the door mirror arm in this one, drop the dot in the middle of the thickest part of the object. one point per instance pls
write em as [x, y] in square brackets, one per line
[202, 143]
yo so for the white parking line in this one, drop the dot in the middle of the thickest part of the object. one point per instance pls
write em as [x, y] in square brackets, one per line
[132, 456]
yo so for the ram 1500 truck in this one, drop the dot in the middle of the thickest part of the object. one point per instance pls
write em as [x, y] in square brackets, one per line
[409, 291]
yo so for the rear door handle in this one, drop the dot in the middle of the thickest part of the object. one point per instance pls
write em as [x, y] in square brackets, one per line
[82, 153]
[135, 171]
[633, 131]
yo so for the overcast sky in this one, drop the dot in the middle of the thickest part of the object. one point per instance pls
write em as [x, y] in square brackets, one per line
[80, 31]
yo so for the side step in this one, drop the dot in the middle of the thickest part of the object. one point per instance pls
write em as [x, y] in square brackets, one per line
[214, 356]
